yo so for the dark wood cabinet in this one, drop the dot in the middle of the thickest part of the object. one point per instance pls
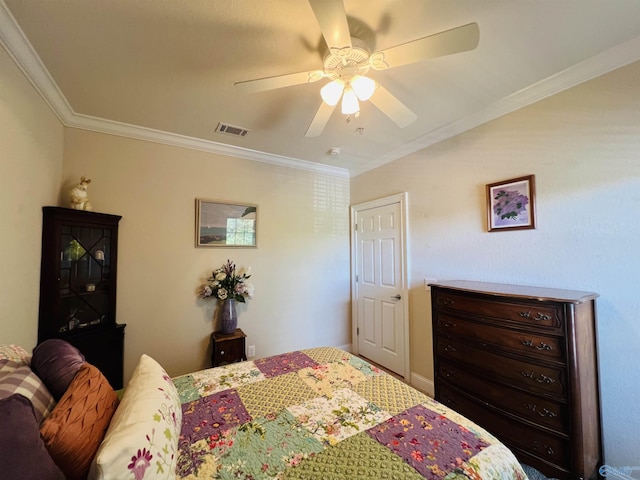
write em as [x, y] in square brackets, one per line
[522, 363]
[227, 348]
[78, 286]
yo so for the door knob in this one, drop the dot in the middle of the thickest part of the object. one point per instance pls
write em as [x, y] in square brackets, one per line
[396, 297]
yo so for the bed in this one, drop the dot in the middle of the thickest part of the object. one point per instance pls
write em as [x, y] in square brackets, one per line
[323, 413]
[318, 413]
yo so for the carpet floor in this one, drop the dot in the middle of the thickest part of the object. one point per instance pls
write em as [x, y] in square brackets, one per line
[533, 474]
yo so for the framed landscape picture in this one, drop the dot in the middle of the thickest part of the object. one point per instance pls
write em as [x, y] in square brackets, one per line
[511, 204]
[220, 224]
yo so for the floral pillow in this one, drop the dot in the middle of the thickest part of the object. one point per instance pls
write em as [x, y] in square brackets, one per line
[142, 439]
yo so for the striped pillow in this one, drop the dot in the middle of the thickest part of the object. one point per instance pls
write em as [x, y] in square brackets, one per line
[18, 378]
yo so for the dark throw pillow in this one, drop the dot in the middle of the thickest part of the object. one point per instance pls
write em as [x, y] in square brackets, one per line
[56, 362]
[24, 455]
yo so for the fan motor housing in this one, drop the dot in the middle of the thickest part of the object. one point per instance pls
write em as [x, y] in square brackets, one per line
[346, 63]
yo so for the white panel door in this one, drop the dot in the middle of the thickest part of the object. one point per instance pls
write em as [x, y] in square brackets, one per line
[380, 309]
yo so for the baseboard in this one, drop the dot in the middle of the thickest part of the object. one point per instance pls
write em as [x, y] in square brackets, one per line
[346, 347]
[423, 384]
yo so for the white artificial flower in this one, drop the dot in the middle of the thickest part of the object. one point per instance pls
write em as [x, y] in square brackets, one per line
[222, 293]
[221, 276]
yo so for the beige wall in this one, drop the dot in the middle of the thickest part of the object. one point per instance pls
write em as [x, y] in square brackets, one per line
[30, 173]
[583, 146]
[301, 265]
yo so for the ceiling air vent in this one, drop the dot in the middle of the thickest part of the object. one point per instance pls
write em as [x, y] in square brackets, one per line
[232, 130]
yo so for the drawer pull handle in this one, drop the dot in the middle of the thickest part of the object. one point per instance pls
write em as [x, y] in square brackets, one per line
[541, 378]
[448, 324]
[547, 413]
[447, 301]
[544, 379]
[447, 374]
[539, 315]
[536, 446]
[449, 348]
[543, 413]
[541, 346]
[221, 353]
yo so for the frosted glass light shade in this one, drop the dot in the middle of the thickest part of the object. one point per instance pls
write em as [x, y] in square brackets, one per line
[350, 103]
[364, 87]
[331, 92]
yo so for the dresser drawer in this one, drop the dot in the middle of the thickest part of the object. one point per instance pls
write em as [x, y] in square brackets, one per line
[529, 407]
[549, 447]
[533, 345]
[536, 378]
[227, 348]
[529, 314]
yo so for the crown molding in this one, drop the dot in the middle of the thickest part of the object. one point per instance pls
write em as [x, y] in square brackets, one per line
[17, 45]
[94, 124]
[25, 57]
[600, 64]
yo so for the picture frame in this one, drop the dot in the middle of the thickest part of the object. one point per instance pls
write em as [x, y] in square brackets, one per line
[224, 224]
[511, 204]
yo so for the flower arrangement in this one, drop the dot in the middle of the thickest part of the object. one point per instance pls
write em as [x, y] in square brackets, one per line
[225, 283]
[509, 204]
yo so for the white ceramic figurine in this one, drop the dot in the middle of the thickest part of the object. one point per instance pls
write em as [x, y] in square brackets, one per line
[79, 197]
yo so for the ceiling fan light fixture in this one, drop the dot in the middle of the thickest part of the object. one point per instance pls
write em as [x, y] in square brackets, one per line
[350, 103]
[332, 92]
[364, 87]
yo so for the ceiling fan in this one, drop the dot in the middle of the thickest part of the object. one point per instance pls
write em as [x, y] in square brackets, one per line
[349, 60]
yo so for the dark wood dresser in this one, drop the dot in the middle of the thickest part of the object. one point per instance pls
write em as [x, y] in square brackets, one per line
[522, 363]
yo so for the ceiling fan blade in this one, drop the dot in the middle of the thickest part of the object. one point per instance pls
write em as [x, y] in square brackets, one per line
[279, 81]
[456, 40]
[392, 107]
[320, 120]
[332, 18]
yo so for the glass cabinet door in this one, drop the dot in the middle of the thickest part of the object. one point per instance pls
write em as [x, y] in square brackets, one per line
[84, 277]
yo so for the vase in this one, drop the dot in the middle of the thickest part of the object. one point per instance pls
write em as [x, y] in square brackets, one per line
[228, 316]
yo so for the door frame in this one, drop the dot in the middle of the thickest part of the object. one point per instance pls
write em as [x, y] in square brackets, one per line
[401, 198]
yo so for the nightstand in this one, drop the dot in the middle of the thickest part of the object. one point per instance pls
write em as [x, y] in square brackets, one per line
[227, 348]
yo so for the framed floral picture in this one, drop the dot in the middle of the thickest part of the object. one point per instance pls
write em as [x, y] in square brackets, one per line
[220, 224]
[511, 204]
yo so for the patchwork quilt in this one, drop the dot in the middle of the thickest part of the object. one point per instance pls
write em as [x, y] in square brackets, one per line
[325, 414]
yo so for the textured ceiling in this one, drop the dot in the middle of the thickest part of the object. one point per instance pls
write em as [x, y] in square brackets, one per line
[165, 69]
